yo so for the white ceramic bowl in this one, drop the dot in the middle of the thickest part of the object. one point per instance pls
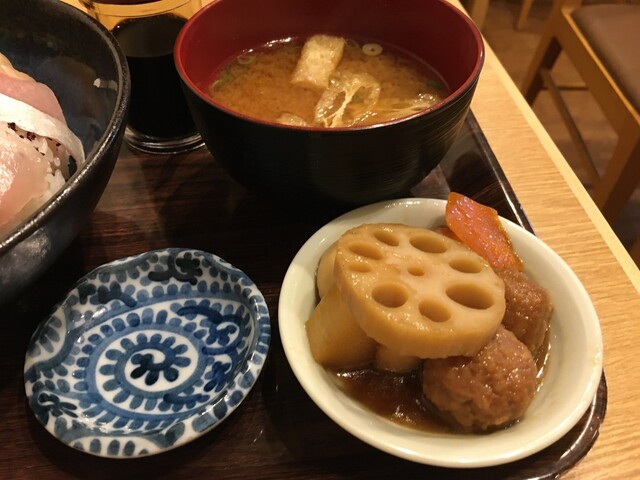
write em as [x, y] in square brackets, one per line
[569, 386]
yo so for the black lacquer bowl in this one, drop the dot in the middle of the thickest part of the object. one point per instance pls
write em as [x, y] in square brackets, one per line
[79, 60]
[344, 166]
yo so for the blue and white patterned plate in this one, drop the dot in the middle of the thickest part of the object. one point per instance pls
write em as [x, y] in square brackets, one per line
[147, 353]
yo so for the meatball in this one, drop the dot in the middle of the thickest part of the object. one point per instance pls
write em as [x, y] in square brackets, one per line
[488, 391]
[528, 308]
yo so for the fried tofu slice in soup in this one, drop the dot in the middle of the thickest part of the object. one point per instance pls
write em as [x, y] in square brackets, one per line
[319, 58]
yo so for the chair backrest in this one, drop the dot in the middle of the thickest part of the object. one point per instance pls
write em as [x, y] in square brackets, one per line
[581, 31]
[600, 80]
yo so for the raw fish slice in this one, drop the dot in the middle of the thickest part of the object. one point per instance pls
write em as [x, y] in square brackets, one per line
[23, 174]
[33, 120]
[34, 107]
[35, 144]
[7, 68]
[32, 93]
[21, 86]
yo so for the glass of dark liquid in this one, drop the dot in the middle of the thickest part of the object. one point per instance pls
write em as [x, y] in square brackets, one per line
[159, 119]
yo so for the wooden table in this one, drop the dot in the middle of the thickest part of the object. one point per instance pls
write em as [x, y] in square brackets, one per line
[160, 201]
[564, 216]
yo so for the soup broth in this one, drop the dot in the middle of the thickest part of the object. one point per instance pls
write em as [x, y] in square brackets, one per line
[386, 84]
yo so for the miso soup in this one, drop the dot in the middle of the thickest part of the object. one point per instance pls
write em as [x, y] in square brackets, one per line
[366, 83]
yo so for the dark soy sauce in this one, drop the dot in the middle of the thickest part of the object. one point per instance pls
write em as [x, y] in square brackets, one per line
[158, 108]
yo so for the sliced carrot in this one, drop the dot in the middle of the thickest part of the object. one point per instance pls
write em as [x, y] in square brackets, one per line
[479, 227]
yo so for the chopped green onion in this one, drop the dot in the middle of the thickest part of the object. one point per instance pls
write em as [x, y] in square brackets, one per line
[225, 77]
[246, 59]
[351, 43]
[372, 49]
[435, 84]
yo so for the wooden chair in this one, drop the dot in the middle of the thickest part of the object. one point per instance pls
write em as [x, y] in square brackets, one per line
[524, 14]
[478, 12]
[603, 43]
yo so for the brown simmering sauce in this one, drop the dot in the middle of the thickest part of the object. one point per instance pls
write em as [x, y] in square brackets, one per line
[395, 397]
[399, 398]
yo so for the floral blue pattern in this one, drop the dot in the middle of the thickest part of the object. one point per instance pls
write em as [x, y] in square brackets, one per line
[147, 353]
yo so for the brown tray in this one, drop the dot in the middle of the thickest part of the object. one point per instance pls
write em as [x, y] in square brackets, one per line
[278, 432]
